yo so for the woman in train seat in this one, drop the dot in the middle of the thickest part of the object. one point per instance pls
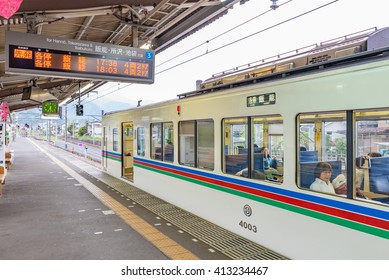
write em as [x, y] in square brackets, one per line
[269, 164]
[322, 174]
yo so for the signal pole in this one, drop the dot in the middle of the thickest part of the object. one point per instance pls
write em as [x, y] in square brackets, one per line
[66, 127]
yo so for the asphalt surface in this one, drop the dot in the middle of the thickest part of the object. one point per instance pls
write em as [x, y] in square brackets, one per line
[45, 214]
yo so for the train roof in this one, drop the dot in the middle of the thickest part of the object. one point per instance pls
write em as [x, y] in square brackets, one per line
[141, 107]
[352, 48]
[343, 51]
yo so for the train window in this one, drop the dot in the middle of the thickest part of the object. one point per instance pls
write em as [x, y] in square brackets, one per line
[205, 144]
[162, 147]
[187, 143]
[268, 148]
[115, 139]
[168, 142]
[235, 143]
[322, 151]
[372, 156]
[156, 141]
[260, 147]
[140, 141]
[197, 144]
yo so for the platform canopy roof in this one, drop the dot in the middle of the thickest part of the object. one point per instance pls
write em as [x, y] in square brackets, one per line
[133, 23]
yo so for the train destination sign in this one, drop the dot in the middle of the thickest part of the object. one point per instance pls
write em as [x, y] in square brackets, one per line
[261, 99]
[59, 57]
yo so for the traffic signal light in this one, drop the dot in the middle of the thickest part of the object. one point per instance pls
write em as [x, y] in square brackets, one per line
[80, 110]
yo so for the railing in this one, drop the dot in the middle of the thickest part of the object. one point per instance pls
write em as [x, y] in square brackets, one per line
[83, 149]
[95, 142]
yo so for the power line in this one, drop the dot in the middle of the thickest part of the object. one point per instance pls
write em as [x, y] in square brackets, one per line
[206, 42]
[220, 35]
[248, 36]
[100, 96]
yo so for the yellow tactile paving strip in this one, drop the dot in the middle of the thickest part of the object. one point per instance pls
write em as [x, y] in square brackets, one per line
[168, 246]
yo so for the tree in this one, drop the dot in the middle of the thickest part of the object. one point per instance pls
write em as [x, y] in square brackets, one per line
[304, 139]
[341, 146]
[70, 128]
[82, 131]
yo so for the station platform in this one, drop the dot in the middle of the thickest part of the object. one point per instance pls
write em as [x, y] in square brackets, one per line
[60, 206]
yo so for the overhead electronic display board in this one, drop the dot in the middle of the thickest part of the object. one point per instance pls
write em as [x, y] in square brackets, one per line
[59, 57]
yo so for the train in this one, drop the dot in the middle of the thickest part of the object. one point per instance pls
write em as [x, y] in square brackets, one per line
[208, 151]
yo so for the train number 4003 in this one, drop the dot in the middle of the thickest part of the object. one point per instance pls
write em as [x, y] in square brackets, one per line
[248, 226]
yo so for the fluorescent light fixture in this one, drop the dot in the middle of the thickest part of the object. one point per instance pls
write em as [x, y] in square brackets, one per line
[146, 46]
[65, 101]
[88, 86]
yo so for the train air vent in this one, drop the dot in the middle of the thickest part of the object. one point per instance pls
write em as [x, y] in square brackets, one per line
[284, 67]
[348, 51]
[320, 58]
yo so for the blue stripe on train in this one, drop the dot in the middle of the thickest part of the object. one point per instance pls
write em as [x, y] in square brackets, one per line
[302, 196]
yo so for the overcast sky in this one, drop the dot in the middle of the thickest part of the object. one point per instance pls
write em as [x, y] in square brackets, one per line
[295, 24]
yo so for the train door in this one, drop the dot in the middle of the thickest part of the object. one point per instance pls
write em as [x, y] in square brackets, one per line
[104, 146]
[128, 150]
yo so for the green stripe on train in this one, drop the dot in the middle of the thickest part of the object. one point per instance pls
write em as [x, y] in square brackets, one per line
[113, 158]
[303, 211]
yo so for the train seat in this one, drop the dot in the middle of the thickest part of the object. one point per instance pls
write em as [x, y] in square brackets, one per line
[379, 175]
[236, 163]
[258, 162]
[306, 156]
[242, 150]
[307, 170]
[168, 152]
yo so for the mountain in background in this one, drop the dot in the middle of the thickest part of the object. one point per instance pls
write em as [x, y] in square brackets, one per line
[111, 106]
[92, 112]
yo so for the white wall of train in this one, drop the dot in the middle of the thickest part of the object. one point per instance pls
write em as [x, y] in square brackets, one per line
[291, 233]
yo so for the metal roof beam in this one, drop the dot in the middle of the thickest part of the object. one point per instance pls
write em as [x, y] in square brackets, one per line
[85, 25]
[191, 25]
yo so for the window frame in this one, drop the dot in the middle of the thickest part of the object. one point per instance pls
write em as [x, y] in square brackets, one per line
[249, 165]
[115, 139]
[353, 151]
[313, 118]
[161, 141]
[140, 141]
[197, 157]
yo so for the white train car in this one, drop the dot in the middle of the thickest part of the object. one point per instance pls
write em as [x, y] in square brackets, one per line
[205, 151]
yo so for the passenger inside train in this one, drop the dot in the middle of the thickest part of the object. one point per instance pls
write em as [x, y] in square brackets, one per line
[340, 184]
[242, 151]
[322, 174]
[269, 163]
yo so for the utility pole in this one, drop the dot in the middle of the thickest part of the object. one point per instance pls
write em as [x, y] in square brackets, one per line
[66, 126]
[48, 131]
[93, 134]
